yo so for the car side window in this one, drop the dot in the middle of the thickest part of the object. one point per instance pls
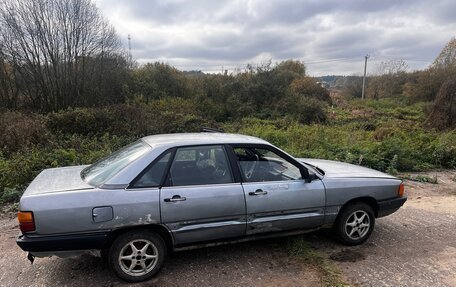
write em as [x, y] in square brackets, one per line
[259, 165]
[154, 174]
[200, 166]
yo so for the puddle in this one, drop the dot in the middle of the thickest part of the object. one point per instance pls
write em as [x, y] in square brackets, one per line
[347, 255]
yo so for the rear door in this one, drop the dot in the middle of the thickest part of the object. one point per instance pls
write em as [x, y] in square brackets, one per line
[277, 197]
[201, 200]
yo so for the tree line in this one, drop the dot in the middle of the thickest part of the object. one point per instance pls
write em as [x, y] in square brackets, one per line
[63, 54]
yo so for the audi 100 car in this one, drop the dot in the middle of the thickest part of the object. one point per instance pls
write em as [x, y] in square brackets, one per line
[171, 192]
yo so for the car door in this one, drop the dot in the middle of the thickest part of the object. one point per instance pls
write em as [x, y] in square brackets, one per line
[277, 197]
[201, 200]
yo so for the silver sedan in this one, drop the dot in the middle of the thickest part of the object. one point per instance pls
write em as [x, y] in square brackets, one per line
[179, 191]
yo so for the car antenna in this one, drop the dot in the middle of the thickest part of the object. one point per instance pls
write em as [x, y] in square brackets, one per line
[211, 130]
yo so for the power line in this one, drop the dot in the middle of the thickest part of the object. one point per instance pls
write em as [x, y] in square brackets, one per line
[309, 62]
[256, 63]
[225, 67]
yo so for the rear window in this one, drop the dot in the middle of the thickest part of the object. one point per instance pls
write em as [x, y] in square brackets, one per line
[101, 171]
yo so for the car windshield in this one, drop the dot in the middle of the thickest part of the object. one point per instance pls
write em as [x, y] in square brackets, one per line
[99, 172]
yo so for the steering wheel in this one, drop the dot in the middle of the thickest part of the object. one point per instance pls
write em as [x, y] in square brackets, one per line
[250, 168]
[221, 171]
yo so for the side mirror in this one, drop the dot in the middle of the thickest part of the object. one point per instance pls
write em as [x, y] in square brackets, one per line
[313, 177]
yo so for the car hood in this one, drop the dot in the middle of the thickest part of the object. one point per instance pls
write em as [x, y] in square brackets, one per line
[341, 169]
[58, 180]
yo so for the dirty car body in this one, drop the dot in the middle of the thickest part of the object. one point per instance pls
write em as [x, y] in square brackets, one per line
[196, 189]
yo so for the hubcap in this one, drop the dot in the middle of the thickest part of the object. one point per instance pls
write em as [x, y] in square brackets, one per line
[138, 257]
[357, 225]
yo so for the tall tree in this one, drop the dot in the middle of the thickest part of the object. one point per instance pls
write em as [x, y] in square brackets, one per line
[8, 86]
[61, 51]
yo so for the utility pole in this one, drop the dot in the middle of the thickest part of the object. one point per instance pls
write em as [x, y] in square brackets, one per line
[130, 57]
[364, 77]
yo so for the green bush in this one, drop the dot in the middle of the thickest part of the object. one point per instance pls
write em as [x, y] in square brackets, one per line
[378, 134]
[305, 110]
[123, 120]
[10, 195]
[400, 148]
[19, 168]
[157, 116]
[444, 152]
[19, 130]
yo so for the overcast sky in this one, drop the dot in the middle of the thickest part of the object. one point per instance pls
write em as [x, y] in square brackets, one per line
[331, 37]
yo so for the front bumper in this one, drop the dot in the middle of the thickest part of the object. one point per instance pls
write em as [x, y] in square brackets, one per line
[62, 242]
[386, 207]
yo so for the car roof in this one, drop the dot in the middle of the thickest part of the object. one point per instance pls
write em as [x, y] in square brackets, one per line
[186, 139]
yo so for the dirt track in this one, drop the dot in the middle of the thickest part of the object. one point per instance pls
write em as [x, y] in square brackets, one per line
[413, 247]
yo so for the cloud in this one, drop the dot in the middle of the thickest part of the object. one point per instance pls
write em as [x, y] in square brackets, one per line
[206, 34]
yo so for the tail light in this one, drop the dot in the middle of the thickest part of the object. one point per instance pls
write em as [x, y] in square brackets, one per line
[26, 222]
[400, 192]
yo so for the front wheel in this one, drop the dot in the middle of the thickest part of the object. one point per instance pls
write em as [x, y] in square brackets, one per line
[137, 256]
[355, 224]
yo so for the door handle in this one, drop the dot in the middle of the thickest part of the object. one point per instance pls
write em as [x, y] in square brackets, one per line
[258, 192]
[175, 198]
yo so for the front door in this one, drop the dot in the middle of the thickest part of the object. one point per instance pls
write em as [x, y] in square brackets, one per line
[277, 198]
[200, 200]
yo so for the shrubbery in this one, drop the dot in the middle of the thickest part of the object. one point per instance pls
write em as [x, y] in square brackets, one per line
[398, 143]
[138, 119]
[279, 104]
[19, 130]
[443, 113]
[378, 134]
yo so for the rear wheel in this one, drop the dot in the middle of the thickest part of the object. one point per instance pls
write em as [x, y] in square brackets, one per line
[137, 256]
[355, 224]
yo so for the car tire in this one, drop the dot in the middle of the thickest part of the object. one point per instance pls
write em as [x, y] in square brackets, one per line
[137, 255]
[355, 224]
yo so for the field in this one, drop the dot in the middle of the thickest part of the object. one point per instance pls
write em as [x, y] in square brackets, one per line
[386, 134]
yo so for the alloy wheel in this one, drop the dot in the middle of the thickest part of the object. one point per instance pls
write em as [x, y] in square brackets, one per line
[357, 225]
[138, 257]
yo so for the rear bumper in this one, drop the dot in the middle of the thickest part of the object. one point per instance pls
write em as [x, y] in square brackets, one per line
[62, 242]
[386, 207]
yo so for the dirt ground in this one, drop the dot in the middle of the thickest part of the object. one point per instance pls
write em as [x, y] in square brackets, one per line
[264, 263]
[416, 246]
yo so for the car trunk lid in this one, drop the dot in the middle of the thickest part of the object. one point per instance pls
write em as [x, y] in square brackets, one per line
[57, 180]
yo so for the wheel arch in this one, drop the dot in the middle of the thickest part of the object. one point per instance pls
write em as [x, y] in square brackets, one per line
[365, 199]
[159, 229]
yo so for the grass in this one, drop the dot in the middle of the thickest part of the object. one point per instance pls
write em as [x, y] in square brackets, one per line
[9, 209]
[330, 275]
[421, 178]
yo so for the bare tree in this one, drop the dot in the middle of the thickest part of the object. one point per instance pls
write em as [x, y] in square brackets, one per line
[447, 57]
[391, 76]
[60, 50]
[9, 91]
[392, 67]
